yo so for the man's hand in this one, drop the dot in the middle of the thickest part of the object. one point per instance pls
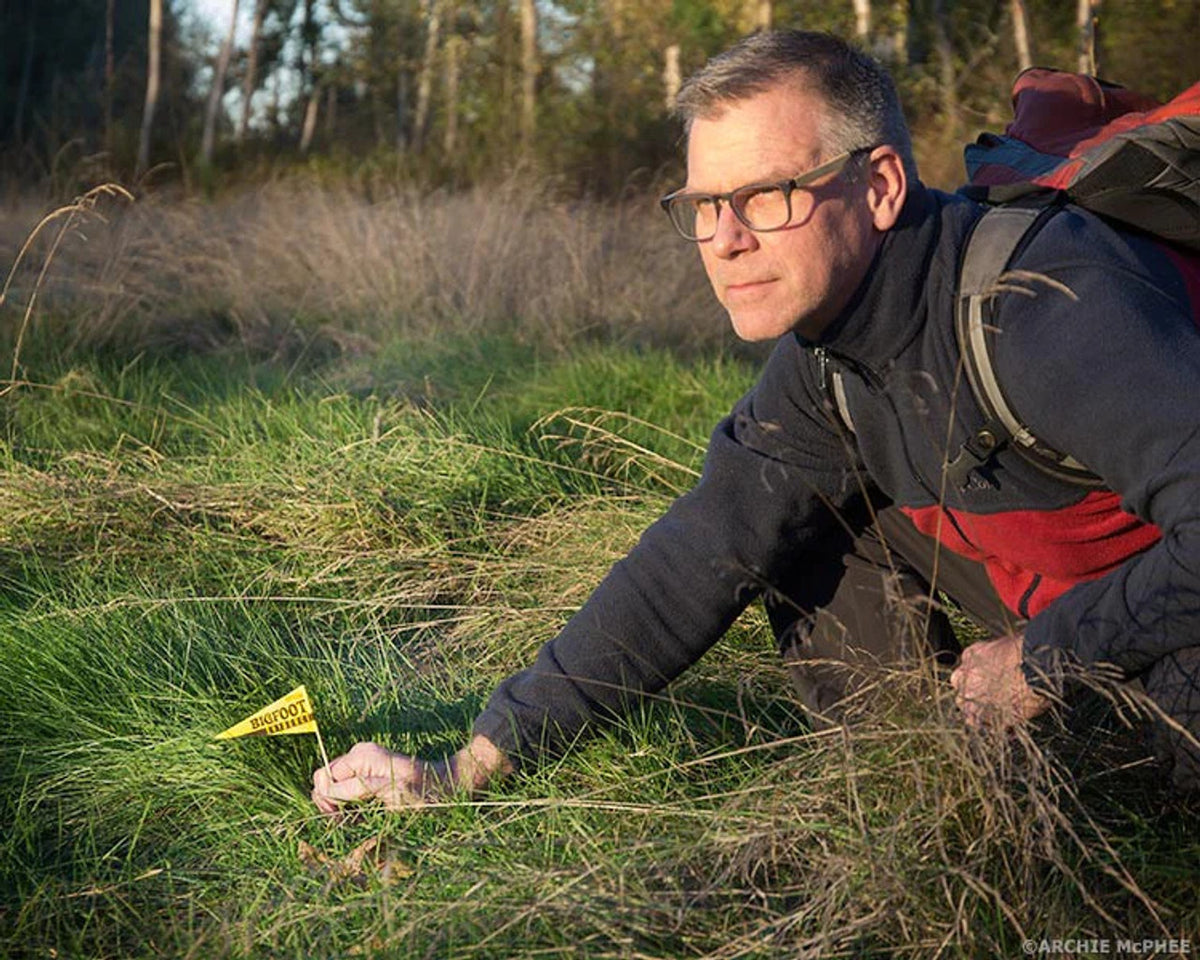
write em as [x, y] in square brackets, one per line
[990, 687]
[370, 772]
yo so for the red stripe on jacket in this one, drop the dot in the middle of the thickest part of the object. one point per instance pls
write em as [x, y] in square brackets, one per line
[1035, 556]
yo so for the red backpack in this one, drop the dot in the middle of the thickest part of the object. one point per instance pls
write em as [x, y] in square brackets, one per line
[1073, 139]
[1110, 150]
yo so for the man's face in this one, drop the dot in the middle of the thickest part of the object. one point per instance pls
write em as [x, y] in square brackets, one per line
[799, 277]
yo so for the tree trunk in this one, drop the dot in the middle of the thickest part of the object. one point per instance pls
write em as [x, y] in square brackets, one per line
[402, 116]
[1085, 21]
[762, 15]
[153, 71]
[110, 71]
[26, 78]
[902, 17]
[672, 76]
[616, 18]
[401, 110]
[331, 99]
[862, 19]
[607, 38]
[310, 78]
[208, 139]
[433, 27]
[250, 80]
[529, 71]
[1020, 20]
[947, 76]
[310, 118]
[276, 106]
[454, 53]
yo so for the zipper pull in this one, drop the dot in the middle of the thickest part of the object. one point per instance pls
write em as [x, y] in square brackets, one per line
[822, 364]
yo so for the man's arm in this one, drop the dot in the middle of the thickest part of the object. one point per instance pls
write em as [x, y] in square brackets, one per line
[774, 475]
[1113, 378]
[370, 772]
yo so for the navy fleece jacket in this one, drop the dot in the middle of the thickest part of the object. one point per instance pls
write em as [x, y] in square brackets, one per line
[1103, 364]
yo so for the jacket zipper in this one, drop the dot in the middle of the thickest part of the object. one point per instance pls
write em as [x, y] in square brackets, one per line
[875, 382]
[823, 355]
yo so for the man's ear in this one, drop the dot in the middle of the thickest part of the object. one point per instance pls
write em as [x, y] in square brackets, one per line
[887, 187]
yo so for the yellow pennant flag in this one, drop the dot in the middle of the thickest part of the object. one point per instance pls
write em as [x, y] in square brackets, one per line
[292, 713]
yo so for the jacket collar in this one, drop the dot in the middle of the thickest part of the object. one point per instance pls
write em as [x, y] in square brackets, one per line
[887, 311]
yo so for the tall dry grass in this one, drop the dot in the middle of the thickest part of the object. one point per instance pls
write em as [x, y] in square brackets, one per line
[292, 261]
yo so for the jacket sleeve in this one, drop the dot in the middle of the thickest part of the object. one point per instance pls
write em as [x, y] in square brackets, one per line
[1112, 376]
[774, 472]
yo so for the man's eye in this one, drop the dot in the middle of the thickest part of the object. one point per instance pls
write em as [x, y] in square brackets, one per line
[704, 212]
[762, 203]
[747, 194]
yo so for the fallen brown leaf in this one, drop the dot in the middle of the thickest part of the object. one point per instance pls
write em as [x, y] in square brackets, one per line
[368, 855]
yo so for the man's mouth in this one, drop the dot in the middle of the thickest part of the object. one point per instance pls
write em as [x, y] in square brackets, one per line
[746, 287]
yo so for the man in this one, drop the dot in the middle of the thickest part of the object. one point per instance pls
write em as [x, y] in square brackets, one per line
[803, 200]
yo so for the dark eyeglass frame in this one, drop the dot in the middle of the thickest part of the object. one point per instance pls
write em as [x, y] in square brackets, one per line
[788, 187]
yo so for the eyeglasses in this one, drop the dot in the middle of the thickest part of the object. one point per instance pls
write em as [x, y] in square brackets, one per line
[762, 207]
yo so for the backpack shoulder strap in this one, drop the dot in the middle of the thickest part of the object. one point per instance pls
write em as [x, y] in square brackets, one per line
[993, 243]
[837, 386]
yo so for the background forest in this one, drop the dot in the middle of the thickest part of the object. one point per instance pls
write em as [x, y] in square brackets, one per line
[456, 91]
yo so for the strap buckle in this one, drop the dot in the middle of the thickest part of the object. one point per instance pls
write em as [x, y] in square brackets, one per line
[977, 450]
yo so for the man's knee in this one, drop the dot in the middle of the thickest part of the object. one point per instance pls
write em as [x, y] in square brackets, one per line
[834, 665]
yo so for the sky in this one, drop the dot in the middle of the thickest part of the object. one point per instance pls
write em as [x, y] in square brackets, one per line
[215, 14]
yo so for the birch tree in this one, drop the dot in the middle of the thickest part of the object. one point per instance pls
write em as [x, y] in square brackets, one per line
[110, 71]
[1020, 23]
[1085, 21]
[310, 74]
[894, 47]
[455, 47]
[208, 139]
[762, 14]
[309, 127]
[250, 80]
[672, 76]
[947, 75]
[862, 19]
[529, 70]
[433, 27]
[153, 72]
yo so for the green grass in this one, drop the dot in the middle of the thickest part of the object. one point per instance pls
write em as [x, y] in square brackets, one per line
[182, 542]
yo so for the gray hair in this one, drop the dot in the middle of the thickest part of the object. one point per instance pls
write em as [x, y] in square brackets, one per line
[862, 108]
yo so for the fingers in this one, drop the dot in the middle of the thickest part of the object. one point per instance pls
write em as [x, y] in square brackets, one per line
[364, 757]
[347, 778]
[969, 695]
[983, 682]
[324, 804]
[983, 705]
[368, 771]
[330, 794]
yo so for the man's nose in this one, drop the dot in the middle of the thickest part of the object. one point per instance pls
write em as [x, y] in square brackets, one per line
[732, 236]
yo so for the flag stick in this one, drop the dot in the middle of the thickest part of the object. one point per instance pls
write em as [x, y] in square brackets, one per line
[324, 755]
